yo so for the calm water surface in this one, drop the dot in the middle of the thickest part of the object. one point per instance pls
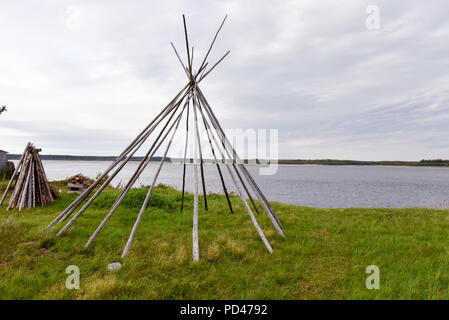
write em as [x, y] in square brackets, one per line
[305, 185]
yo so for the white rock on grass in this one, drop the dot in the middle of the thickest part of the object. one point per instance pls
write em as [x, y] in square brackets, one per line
[114, 266]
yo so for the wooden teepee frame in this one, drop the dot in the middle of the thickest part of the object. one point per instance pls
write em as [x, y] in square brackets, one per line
[189, 99]
[31, 187]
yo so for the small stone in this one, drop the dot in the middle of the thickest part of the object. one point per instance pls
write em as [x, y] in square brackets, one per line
[114, 266]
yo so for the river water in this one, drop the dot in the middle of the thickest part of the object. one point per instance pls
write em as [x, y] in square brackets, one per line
[305, 185]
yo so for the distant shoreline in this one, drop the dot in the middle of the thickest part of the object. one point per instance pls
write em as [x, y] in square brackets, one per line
[328, 162]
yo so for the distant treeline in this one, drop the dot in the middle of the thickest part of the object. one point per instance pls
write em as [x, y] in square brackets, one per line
[328, 162]
[334, 162]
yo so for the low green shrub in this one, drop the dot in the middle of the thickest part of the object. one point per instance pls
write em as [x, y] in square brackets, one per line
[162, 197]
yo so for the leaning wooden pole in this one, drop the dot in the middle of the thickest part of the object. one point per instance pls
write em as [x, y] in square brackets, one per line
[202, 66]
[69, 210]
[104, 185]
[203, 182]
[41, 171]
[245, 188]
[235, 168]
[213, 67]
[226, 143]
[130, 184]
[185, 157]
[206, 128]
[187, 48]
[20, 181]
[150, 152]
[195, 246]
[107, 182]
[180, 60]
[236, 158]
[14, 175]
[150, 191]
[248, 209]
[245, 203]
[23, 198]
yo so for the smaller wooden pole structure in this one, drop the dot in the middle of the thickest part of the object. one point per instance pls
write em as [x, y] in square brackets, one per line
[31, 186]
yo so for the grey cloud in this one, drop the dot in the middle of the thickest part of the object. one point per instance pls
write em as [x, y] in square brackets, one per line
[311, 69]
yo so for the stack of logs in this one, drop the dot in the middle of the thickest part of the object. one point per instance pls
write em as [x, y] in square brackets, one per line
[78, 183]
[31, 187]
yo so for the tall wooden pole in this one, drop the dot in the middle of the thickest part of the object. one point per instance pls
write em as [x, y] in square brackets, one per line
[142, 136]
[150, 191]
[206, 128]
[211, 45]
[103, 186]
[248, 209]
[203, 182]
[235, 168]
[270, 212]
[185, 156]
[235, 157]
[14, 175]
[180, 60]
[213, 67]
[20, 181]
[195, 247]
[129, 157]
[130, 184]
[188, 50]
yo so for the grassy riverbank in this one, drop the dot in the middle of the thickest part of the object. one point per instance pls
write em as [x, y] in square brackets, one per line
[324, 257]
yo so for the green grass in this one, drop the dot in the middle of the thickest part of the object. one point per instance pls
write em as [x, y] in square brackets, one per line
[324, 257]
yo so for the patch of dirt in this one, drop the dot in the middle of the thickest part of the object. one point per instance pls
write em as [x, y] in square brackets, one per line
[27, 243]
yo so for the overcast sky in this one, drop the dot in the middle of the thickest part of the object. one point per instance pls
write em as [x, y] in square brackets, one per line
[83, 77]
